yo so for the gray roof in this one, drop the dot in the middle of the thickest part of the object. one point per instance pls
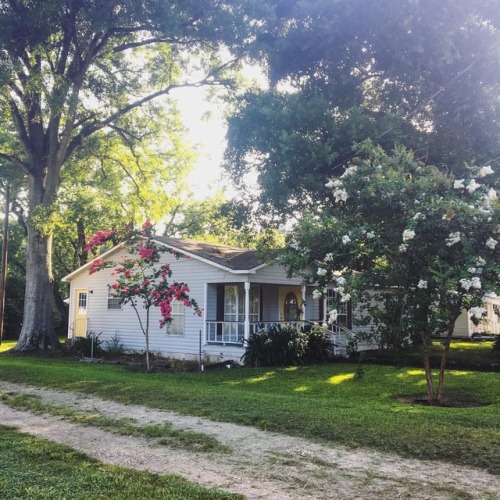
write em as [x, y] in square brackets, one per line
[234, 258]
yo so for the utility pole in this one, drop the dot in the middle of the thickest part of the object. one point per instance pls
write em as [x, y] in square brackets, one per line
[3, 262]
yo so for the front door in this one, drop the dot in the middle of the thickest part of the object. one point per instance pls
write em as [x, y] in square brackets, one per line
[81, 305]
[290, 303]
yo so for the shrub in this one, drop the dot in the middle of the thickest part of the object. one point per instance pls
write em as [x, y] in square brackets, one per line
[114, 346]
[89, 346]
[286, 345]
[496, 345]
[319, 347]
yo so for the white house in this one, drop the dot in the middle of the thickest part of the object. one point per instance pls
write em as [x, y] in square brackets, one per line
[238, 293]
[465, 328]
[236, 290]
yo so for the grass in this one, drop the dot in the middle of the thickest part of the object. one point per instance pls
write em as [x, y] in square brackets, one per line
[322, 402]
[7, 344]
[34, 468]
[464, 355]
[164, 433]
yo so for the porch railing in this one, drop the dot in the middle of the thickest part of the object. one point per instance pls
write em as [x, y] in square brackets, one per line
[233, 332]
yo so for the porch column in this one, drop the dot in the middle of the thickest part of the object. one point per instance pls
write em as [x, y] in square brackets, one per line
[247, 311]
[205, 299]
[303, 305]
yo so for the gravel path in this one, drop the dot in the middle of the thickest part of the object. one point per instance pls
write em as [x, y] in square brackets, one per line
[263, 465]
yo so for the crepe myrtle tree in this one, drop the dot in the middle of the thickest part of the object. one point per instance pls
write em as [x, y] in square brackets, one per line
[412, 234]
[141, 280]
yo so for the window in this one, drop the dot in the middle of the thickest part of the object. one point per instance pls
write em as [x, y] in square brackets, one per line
[344, 309]
[114, 303]
[176, 326]
[254, 304]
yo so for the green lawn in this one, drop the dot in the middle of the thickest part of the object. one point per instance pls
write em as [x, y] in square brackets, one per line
[321, 402]
[37, 469]
[7, 344]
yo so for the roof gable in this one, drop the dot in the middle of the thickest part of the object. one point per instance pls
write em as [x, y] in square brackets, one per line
[233, 259]
[230, 257]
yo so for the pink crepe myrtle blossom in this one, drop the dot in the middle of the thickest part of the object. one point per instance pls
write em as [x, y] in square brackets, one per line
[96, 265]
[140, 279]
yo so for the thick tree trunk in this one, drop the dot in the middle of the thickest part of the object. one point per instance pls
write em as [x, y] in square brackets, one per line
[37, 332]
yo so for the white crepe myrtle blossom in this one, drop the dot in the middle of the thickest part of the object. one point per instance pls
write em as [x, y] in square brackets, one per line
[475, 282]
[422, 284]
[465, 284]
[333, 183]
[333, 315]
[491, 243]
[345, 297]
[477, 312]
[459, 184]
[419, 216]
[472, 186]
[403, 247]
[321, 271]
[346, 239]
[408, 234]
[328, 257]
[340, 194]
[484, 171]
[452, 239]
[317, 295]
[471, 270]
[349, 171]
[489, 198]
[340, 280]
[480, 262]
[370, 235]
[294, 245]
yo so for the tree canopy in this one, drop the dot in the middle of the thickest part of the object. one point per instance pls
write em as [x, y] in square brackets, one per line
[70, 69]
[414, 245]
[415, 73]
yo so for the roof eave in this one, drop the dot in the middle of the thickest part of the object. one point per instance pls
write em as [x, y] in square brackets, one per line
[70, 276]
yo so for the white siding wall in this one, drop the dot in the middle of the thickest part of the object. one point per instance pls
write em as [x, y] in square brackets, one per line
[124, 323]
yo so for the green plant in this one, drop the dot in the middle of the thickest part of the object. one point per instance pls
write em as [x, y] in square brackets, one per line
[496, 345]
[114, 346]
[287, 345]
[319, 347]
[316, 402]
[36, 468]
[89, 346]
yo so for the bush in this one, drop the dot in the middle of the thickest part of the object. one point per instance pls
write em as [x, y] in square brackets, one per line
[286, 345]
[114, 346]
[496, 345]
[319, 347]
[89, 346]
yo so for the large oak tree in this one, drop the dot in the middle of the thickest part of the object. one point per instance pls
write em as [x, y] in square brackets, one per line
[72, 68]
[419, 73]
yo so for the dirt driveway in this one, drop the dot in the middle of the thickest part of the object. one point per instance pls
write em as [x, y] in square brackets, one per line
[263, 465]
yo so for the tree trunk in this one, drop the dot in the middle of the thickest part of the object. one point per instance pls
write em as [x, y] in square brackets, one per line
[427, 367]
[444, 360]
[37, 332]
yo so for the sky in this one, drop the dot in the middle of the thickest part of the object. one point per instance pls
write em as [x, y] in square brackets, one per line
[207, 131]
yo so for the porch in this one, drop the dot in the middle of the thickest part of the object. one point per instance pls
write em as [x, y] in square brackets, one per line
[234, 311]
